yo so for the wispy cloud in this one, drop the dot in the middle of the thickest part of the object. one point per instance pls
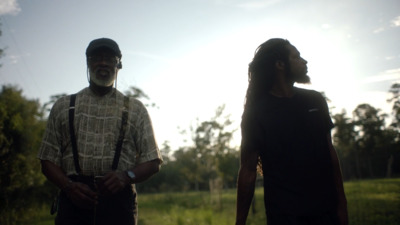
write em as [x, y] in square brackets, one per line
[395, 22]
[257, 4]
[388, 75]
[13, 59]
[9, 7]
[378, 30]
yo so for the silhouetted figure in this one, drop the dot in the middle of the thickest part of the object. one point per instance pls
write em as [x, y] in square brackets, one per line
[286, 134]
[98, 143]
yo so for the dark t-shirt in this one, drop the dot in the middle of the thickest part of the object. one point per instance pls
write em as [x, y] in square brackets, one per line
[291, 137]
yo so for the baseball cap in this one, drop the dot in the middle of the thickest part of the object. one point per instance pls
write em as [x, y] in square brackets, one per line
[103, 43]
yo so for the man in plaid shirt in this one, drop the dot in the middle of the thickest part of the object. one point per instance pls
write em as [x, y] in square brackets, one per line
[97, 145]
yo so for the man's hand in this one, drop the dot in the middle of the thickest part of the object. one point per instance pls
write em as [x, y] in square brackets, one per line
[113, 182]
[81, 195]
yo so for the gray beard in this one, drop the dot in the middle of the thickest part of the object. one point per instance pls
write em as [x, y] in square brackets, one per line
[100, 82]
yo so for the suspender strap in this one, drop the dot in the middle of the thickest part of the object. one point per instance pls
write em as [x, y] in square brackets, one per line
[124, 121]
[118, 149]
[72, 133]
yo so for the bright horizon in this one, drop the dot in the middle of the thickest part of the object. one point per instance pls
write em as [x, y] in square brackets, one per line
[191, 57]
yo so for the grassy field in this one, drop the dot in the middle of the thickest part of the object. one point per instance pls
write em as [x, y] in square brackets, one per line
[370, 202]
[374, 201]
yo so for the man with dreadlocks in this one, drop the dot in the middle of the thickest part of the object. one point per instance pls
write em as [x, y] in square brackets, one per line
[98, 143]
[286, 134]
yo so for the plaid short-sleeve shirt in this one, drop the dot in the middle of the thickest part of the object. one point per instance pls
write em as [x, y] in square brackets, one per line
[97, 125]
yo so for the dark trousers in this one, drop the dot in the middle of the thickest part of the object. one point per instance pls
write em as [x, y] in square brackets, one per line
[328, 218]
[120, 209]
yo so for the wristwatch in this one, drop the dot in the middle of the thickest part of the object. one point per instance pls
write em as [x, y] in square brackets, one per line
[131, 175]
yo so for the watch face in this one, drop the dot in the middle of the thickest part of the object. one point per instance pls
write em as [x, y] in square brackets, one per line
[131, 174]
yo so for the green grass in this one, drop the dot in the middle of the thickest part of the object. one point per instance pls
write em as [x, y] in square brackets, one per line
[374, 201]
[186, 208]
[370, 202]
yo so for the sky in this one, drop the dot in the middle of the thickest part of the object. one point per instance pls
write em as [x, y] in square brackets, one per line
[191, 56]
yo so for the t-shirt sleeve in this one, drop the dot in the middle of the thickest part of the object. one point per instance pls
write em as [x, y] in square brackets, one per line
[251, 131]
[326, 116]
[147, 149]
[50, 148]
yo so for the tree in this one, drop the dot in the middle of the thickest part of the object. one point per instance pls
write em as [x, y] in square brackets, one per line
[192, 167]
[210, 162]
[1, 50]
[168, 179]
[21, 131]
[394, 91]
[212, 143]
[47, 106]
[139, 94]
[344, 140]
[370, 123]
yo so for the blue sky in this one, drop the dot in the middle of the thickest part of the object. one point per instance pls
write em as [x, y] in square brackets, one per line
[191, 56]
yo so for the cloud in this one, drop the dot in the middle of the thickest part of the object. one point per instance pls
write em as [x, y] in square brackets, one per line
[257, 4]
[9, 7]
[388, 75]
[378, 30]
[14, 59]
[395, 22]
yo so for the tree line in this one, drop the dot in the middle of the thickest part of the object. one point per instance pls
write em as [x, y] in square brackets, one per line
[367, 143]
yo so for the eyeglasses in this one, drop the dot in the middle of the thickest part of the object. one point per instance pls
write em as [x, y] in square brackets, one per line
[99, 58]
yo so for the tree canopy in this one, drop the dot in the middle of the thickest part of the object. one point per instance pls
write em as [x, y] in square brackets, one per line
[21, 129]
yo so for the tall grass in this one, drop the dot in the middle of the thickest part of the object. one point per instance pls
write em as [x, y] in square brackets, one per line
[370, 202]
